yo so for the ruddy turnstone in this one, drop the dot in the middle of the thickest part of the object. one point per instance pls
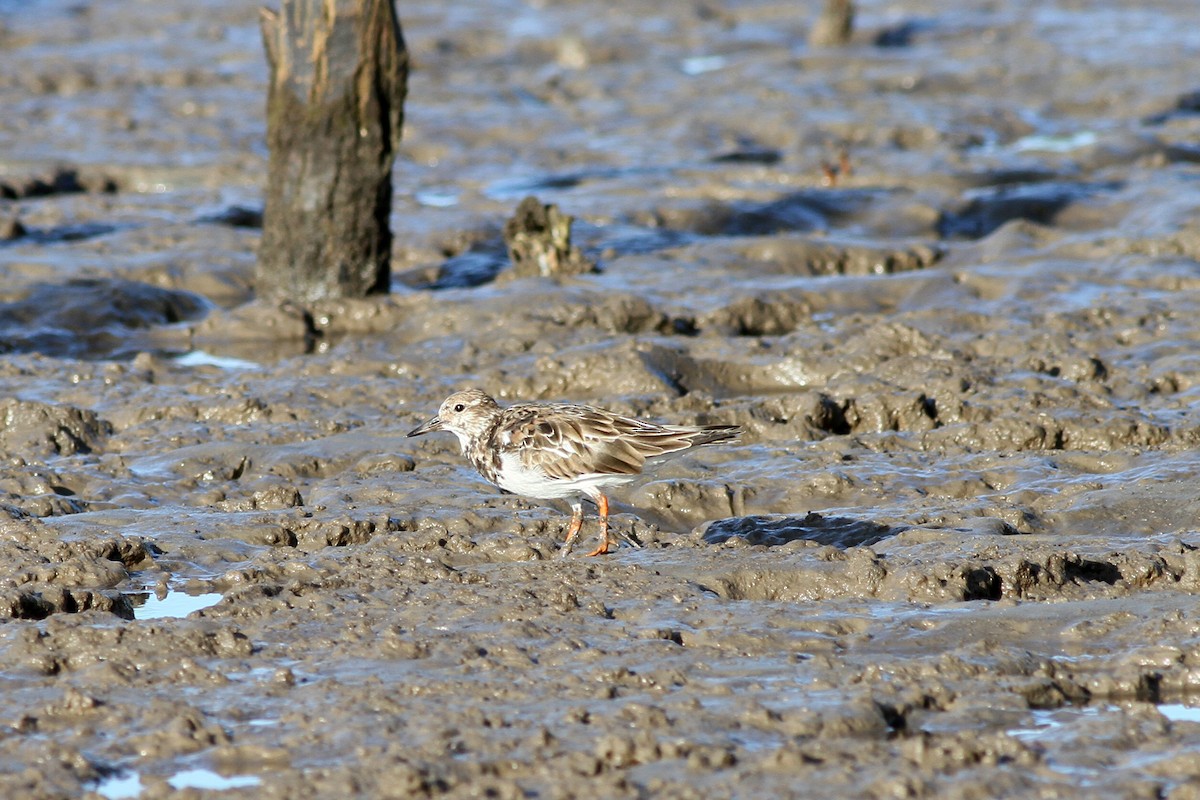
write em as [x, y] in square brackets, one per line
[562, 451]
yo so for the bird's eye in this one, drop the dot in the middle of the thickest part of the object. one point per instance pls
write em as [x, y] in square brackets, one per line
[459, 407]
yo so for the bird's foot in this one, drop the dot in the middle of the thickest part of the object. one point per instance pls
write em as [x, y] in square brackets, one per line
[601, 549]
[572, 532]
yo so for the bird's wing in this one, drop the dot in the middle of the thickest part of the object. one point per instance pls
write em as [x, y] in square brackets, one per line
[567, 441]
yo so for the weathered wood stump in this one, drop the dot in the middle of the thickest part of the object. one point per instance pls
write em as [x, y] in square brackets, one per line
[834, 25]
[538, 238]
[339, 75]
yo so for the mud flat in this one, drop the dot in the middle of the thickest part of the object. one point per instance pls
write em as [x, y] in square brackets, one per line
[954, 555]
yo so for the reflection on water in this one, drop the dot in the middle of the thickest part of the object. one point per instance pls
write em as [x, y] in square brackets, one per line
[199, 358]
[698, 65]
[1065, 734]
[1178, 712]
[207, 779]
[126, 785]
[119, 786]
[174, 604]
[437, 197]
[1055, 144]
[1047, 721]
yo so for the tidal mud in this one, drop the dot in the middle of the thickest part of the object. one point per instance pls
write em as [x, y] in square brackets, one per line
[955, 554]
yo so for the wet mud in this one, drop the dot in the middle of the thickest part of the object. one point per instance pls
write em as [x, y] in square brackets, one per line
[945, 276]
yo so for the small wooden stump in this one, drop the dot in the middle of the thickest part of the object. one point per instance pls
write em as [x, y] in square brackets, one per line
[339, 75]
[834, 25]
[538, 238]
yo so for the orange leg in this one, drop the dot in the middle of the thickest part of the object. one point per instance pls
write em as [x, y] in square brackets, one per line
[602, 548]
[576, 524]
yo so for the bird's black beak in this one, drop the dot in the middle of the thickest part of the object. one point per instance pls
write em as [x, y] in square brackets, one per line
[432, 425]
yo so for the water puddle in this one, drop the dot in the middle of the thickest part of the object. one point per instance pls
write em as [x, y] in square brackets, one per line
[256, 674]
[437, 197]
[174, 604]
[472, 268]
[521, 185]
[1047, 721]
[119, 786]
[508, 188]
[207, 779]
[65, 233]
[698, 65]
[124, 785]
[199, 358]
[1055, 144]
[1178, 712]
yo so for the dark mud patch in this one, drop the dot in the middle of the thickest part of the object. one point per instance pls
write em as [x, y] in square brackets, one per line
[813, 527]
[235, 216]
[92, 318]
[58, 235]
[986, 211]
[801, 211]
[61, 180]
[518, 187]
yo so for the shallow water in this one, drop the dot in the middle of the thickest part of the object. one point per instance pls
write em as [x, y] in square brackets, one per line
[954, 553]
[119, 786]
[207, 779]
[174, 604]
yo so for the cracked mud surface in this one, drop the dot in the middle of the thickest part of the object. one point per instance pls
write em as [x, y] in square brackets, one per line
[955, 554]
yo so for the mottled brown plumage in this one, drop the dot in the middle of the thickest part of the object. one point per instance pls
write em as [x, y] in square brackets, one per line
[558, 450]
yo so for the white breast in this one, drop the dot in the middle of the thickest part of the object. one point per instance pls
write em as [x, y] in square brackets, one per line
[513, 476]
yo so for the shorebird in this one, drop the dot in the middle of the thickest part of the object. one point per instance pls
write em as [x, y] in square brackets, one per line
[562, 451]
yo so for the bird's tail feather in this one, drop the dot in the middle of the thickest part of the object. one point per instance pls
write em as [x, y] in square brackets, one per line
[715, 434]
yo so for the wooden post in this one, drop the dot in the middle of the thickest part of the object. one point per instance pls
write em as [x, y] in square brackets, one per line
[339, 75]
[835, 24]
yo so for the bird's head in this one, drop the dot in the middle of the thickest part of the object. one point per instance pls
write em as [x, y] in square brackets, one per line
[467, 414]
